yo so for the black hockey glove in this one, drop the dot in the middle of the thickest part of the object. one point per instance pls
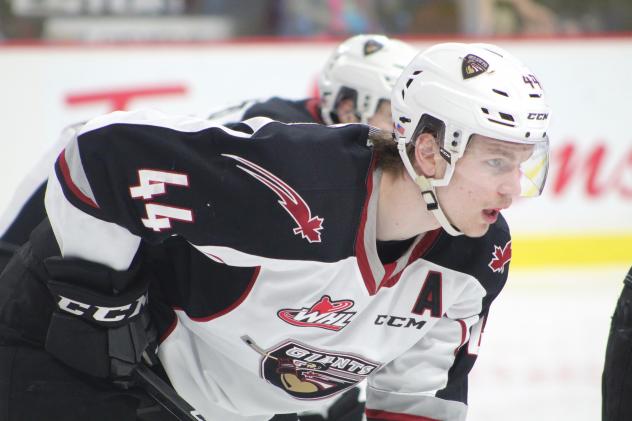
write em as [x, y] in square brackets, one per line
[347, 407]
[101, 326]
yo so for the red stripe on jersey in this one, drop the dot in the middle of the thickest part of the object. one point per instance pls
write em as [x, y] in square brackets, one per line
[463, 335]
[361, 257]
[170, 329]
[230, 308]
[363, 262]
[419, 250]
[376, 415]
[63, 166]
[389, 268]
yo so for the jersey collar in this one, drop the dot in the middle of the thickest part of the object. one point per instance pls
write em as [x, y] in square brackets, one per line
[375, 274]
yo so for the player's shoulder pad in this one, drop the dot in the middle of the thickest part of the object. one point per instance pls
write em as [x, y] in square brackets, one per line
[255, 123]
[232, 113]
[281, 109]
[351, 135]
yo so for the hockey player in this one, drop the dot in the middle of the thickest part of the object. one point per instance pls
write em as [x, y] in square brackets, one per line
[363, 67]
[617, 378]
[281, 264]
[354, 86]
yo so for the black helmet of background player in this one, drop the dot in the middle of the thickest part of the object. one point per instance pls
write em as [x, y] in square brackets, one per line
[356, 82]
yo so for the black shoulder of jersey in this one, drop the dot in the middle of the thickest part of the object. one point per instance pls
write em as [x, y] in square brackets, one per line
[284, 110]
[486, 258]
[242, 191]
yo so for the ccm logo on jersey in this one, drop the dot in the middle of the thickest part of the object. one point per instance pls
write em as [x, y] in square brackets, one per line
[101, 314]
[500, 257]
[308, 226]
[325, 314]
[396, 321]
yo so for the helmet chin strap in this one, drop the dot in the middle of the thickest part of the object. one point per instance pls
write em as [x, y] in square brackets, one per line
[428, 193]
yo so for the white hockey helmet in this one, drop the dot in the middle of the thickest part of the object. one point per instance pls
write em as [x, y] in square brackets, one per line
[364, 67]
[456, 90]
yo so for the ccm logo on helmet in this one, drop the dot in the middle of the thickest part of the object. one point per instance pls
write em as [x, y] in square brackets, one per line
[538, 116]
[102, 314]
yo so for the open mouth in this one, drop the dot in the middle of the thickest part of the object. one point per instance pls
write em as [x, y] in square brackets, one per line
[491, 215]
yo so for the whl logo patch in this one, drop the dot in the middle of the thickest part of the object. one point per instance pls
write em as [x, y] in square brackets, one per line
[500, 257]
[308, 226]
[325, 314]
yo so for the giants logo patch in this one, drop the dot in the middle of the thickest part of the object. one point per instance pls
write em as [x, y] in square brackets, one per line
[372, 46]
[308, 373]
[500, 257]
[308, 226]
[473, 65]
[325, 314]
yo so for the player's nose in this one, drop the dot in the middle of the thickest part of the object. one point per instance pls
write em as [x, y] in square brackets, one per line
[510, 184]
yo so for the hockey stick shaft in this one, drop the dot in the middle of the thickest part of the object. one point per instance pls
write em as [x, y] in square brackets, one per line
[165, 395]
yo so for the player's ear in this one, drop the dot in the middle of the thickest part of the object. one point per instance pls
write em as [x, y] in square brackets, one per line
[426, 150]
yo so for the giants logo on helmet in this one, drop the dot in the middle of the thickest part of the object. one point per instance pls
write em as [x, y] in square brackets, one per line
[473, 65]
[325, 314]
[372, 46]
[308, 226]
[308, 373]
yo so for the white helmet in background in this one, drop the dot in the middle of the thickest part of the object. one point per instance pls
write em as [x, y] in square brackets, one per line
[456, 90]
[364, 68]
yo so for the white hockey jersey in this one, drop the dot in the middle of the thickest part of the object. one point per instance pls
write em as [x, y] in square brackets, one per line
[272, 296]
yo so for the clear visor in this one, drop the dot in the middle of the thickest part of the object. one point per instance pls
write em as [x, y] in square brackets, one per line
[535, 170]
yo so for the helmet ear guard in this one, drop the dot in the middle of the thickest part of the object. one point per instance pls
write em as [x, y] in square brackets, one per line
[428, 193]
[450, 147]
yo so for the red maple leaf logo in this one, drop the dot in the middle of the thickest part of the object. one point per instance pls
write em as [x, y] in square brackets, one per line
[308, 226]
[500, 257]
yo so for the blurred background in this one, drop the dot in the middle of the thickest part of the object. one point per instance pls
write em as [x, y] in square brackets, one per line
[186, 20]
[64, 61]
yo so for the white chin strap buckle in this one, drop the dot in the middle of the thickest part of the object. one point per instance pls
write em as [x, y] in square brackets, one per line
[430, 199]
[427, 191]
[432, 204]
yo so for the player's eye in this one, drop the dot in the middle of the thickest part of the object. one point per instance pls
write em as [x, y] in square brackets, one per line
[499, 164]
[495, 163]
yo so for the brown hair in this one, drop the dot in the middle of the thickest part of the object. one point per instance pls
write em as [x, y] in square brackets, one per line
[385, 147]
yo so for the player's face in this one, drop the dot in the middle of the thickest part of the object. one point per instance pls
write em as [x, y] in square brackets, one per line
[382, 117]
[485, 180]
